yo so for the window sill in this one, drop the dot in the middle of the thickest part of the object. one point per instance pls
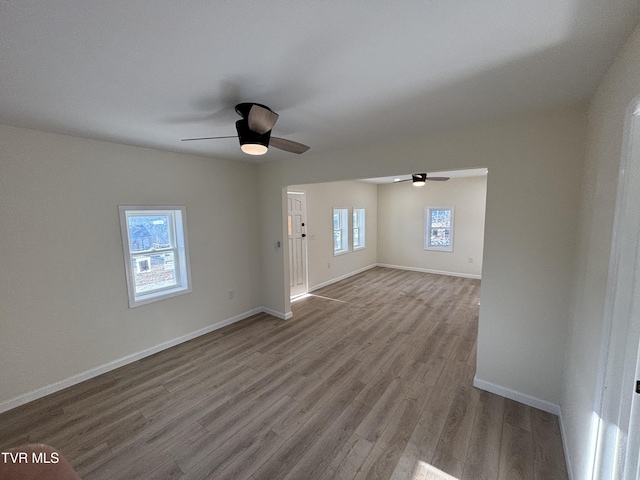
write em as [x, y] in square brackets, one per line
[439, 249]
[157, 296]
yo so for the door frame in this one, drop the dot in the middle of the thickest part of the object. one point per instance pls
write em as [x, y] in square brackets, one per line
[616, 405]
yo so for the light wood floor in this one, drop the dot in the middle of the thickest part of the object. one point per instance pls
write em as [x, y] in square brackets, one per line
[371, 379]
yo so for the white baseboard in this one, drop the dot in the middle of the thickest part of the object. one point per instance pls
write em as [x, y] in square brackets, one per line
[428, 270]
[107, 367]
[280, 315]
[342, 277]
[564, 447]
[517, 396]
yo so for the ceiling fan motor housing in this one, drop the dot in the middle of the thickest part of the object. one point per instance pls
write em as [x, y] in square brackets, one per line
[248, 136]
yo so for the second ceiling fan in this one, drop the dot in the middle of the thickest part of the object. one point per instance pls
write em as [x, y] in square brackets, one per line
[254, 131]
[419, 179]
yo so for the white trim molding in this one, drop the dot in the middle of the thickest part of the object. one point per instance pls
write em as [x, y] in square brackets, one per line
[428, 270]
[517, 396]
[567, 457]
[280, 315]
[342, 277]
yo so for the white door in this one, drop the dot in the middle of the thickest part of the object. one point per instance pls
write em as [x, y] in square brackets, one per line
[296, 228]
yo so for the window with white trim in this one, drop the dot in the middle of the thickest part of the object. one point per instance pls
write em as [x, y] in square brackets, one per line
[156, 252]
[340, 231]
[358, 228]
[439, 229]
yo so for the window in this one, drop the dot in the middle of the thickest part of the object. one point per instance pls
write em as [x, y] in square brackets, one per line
[358, 228]
[439, 229]
[340, 231]
[156, 253]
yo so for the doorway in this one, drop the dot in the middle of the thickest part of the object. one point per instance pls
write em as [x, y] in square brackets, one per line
[296, 229]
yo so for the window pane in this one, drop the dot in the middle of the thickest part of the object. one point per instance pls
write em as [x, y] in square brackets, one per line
[441, 218]
[153, 271]
[341, 229]
[358, 228]
[440, 237]
[439, 233]
[147, 233]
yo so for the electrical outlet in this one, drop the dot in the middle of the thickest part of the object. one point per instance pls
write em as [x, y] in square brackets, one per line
[470, 259]
[328, 265]
[232, 294]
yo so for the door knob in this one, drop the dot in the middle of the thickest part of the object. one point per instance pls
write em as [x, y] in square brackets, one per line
[304, 235]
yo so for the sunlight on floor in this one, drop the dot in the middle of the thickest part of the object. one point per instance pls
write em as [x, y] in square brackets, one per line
[307, 295]
[424, 471]
[300, 297]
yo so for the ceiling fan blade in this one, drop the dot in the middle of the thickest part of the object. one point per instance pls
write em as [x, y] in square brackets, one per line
[261, 119]
[207, 138]
[438, 179]
[288, 145]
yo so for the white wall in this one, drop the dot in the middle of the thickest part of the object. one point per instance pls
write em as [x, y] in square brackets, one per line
[530, 231]
[63, 297]
[607, 115]
[401, 225]
[321, 199]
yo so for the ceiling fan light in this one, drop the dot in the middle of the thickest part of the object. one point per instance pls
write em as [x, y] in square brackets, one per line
[252, 143]
[418, 183]
[254, 148]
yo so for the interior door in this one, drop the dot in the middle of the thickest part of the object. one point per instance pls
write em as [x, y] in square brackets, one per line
[296, 227]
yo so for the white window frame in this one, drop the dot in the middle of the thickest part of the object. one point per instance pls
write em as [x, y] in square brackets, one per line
[343, 229]
[429, 225]
[179, 246]
[359, 222]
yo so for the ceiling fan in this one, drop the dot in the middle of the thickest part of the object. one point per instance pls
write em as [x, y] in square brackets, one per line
[419, 179]
[254, 131]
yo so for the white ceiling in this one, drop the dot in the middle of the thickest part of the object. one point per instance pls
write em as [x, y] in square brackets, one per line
[339, 73]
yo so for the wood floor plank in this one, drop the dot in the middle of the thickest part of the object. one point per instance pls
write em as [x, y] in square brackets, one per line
[383, 410]
[516, 454]
[371, 379]
[446, 463]
[347, 462]
[319, 456]
[387, 451]
[547, 440]
[378, 384]
[309, 404]
[193, 452]
[250, 459]
[421, 446]
[543, 471]
[483, 455]
[517, 414]
[456, 434]
[285, 459]
[153, 448]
